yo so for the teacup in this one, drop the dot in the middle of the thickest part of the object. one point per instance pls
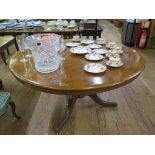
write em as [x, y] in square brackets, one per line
[115, 60]
[119, 49]
[111, 43]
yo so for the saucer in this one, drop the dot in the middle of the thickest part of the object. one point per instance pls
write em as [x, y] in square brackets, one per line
[95, 68]
[80, 50]
[87, 41]
[94, 56]
[72, 44]
[94, 46]
[99, 51]
[76, 39]
[116, 64]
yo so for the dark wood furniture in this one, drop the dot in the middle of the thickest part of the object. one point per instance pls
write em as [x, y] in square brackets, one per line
[1, 84]
[67, 32]
[90, 28]
[5, 42]
[71, 80]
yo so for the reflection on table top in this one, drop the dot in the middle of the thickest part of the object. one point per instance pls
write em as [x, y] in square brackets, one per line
[71, 79]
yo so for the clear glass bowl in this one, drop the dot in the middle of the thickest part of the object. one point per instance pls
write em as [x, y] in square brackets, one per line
[45, 50]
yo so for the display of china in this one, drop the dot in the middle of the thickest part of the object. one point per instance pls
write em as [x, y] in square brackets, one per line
[45, 50]
[76, 38]
[101, 41]
[114, 62]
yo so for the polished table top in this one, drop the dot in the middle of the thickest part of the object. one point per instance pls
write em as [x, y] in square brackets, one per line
[71, 79]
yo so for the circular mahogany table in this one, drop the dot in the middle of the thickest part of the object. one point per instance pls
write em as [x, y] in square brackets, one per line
[70, 79]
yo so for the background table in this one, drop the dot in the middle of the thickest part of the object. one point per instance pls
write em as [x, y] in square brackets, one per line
[5, 42]
[67, 32]
[70, 79]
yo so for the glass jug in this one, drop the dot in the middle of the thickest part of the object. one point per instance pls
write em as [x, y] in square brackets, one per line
[45, 50]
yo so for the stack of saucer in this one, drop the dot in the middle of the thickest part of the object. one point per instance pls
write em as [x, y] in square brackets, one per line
[112, 53]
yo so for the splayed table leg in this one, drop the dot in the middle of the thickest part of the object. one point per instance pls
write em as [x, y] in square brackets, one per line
[99, 101]
[67, 115]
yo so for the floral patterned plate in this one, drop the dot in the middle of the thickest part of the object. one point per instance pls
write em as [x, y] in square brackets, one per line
[95, 68]
[80, 50]
[94, 56]
[72, 44]
[87, 41]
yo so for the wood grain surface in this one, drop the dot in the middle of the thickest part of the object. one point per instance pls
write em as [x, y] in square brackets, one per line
[71, 79]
